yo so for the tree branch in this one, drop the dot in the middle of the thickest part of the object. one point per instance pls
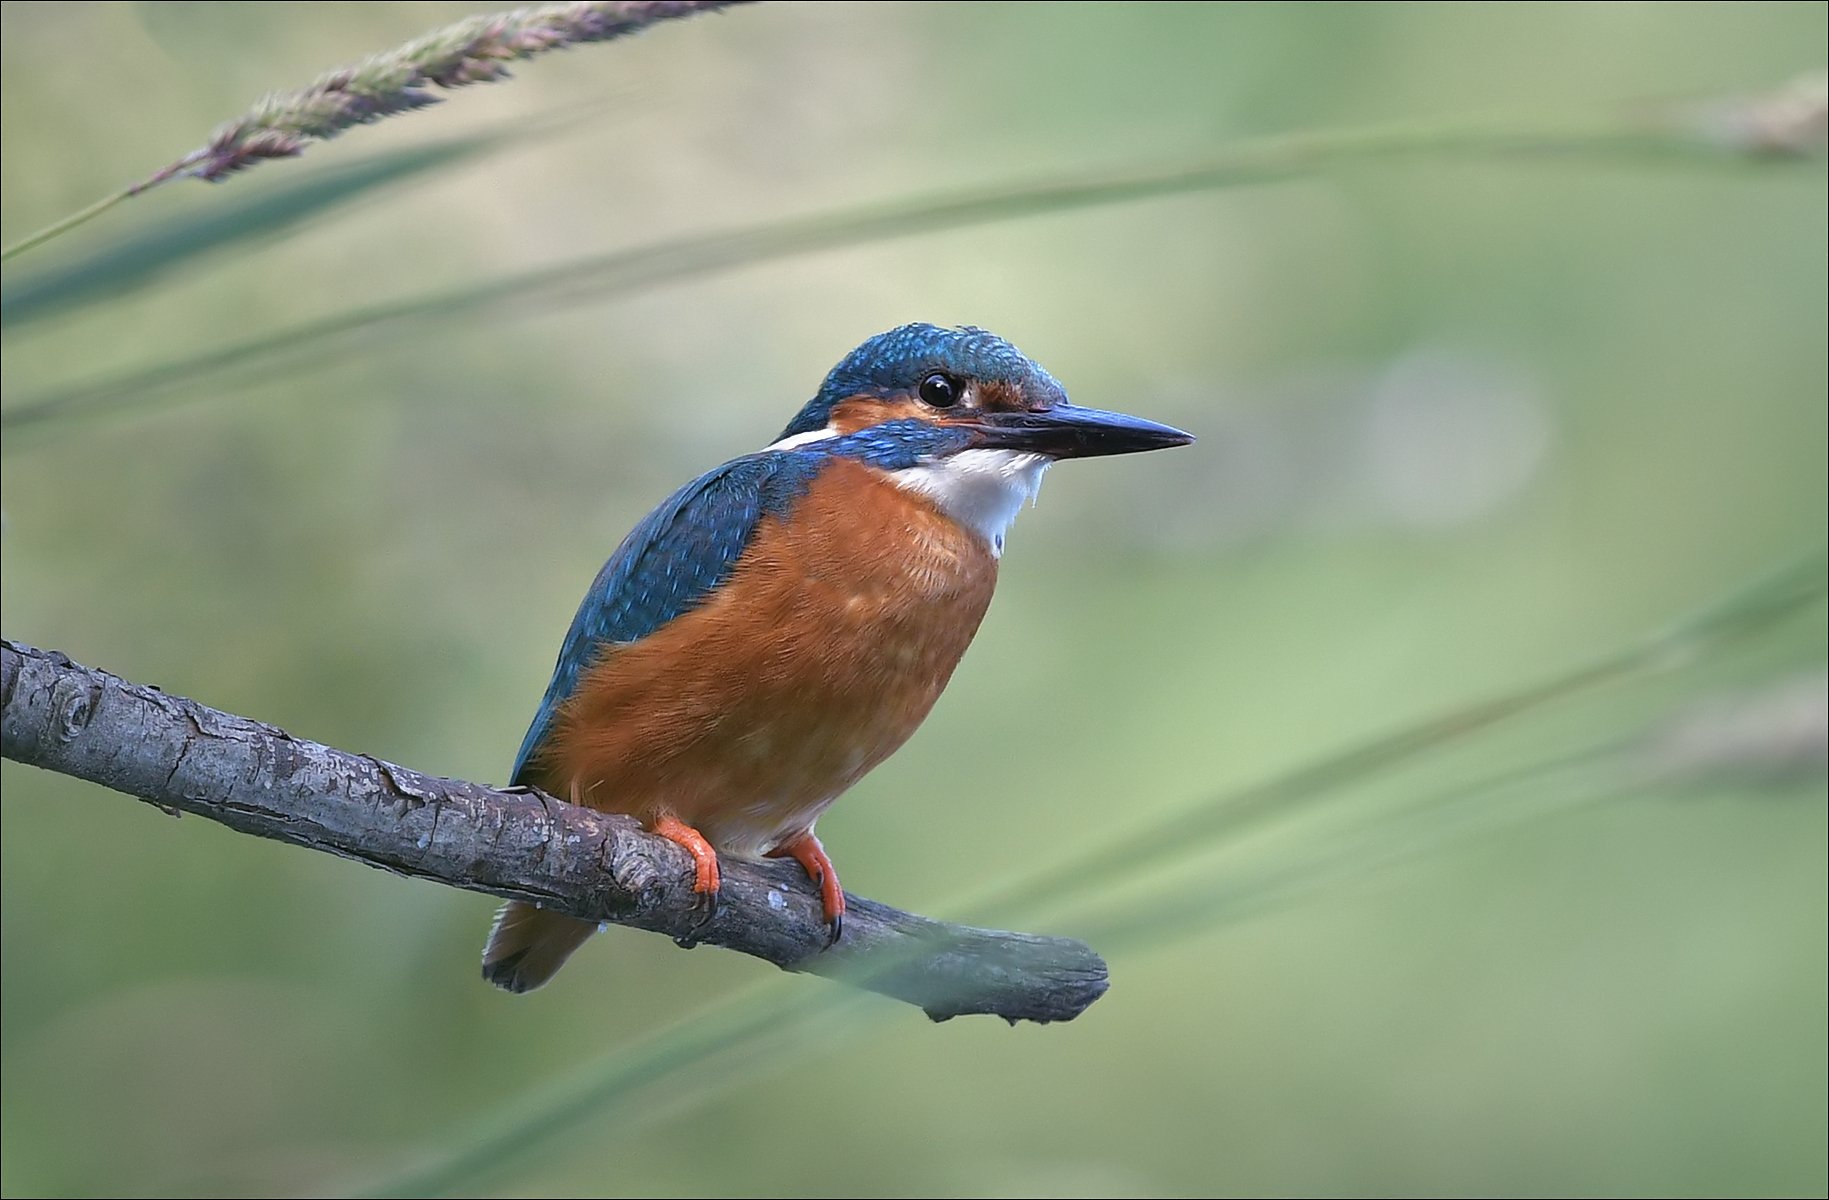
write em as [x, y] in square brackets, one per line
[184, 757]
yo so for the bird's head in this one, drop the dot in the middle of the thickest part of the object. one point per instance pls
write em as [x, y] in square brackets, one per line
[963, 416]
[972, 385]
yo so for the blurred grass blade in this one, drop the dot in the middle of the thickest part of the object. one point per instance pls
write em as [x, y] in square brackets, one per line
[751, 1019]
[1772, 736]
[1186, 831]
[1768, 735]
[769, 1022]
[153, 254]
[1670, 135]
[1532, 792]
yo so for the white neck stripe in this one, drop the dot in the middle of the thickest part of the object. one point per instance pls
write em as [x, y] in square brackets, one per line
[802, 439]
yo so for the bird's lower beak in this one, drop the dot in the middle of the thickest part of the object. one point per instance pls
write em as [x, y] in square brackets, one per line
[1069, 431]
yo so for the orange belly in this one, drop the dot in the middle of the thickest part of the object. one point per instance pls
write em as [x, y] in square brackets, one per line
[819, 656]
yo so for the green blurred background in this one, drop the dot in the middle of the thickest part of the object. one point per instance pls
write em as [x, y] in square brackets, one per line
[1464, 425]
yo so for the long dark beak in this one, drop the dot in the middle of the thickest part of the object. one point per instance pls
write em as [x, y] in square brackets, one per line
[1069, 431]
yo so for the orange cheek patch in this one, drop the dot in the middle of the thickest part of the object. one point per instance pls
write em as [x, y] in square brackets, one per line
[862, 412]
[997, 396]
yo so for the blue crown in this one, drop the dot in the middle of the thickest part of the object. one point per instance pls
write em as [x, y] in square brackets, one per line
[897, 361]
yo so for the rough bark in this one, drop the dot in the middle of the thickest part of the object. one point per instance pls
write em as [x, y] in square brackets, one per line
[184, 757]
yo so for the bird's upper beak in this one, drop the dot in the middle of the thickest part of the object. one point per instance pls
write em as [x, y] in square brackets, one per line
[1069, 431]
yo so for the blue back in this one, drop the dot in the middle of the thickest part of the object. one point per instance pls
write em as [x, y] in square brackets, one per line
[685, 549]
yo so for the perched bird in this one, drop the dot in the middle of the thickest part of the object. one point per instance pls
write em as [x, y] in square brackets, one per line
[781, 624]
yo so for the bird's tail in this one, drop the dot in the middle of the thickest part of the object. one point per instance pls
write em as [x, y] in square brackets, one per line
[527, 946]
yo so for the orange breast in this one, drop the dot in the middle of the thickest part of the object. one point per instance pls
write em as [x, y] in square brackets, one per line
[819, 656]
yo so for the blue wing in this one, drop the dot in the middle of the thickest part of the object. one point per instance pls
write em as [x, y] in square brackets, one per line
[669, 563]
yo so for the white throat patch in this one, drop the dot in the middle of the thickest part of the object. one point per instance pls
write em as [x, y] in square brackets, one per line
[983, 490]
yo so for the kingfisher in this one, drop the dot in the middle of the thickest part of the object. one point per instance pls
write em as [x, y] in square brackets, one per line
[784, 622]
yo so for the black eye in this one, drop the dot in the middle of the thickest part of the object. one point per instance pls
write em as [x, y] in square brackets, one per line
[941, 391]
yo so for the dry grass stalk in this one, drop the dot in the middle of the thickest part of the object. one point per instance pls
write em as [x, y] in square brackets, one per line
[475, 50]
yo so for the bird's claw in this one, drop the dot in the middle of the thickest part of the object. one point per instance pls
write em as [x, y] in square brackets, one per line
[706, 878]
[813, 859]
[705, 908]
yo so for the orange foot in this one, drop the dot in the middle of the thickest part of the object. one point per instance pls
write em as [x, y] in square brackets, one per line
[705, 879]
[807, 851]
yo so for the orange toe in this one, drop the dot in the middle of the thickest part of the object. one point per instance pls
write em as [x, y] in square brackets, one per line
[704, 858]
[812, 858]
